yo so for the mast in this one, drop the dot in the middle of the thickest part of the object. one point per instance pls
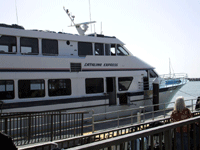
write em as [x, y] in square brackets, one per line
[169, 68]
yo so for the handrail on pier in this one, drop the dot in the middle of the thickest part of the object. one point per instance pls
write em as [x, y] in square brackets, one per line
[141, 111]
[168, 130]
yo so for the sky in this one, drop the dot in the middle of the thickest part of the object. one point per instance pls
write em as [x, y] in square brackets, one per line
[153, 30]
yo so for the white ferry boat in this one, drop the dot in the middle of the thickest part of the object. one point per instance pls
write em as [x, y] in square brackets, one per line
[44, 70]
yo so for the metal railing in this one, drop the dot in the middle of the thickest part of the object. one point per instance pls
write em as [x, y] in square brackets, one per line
[137, 115]
[148, 120]
[112, 134]
[28, 128]
[166, 137]
[174, 75]
[165, 78]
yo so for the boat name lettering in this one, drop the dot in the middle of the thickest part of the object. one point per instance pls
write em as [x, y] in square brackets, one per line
[100, 64]
[110, 64]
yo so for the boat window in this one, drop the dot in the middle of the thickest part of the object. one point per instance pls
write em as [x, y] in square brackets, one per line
[107, 49]
[29, 45]
[59, 87]
[112, 50]
[124, 83]
[153, 74]
[99, 50]
[49, 47]
[31, 88]
[6, 89]
[121, 51]
[84, 48]
[7, 44]
[94, 85]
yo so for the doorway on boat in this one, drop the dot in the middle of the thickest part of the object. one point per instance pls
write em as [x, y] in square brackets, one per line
[146, 83]
[111, 90]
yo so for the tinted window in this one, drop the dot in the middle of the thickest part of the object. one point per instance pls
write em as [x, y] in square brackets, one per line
[94, 85]
[6, 89]
[152, 74]
[124, 83]
[84, 48]
[99, 50]
[31, 88]
[29, 45]
[112, 50]
[59, 87]
[121, 51]
[107, 49]
[49, 46]
[7, 44]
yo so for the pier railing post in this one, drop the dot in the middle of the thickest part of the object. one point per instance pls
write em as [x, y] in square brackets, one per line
[139, 114]
[29, 128]
[131, 117]
[92, 121]
[118, 119]
[192, 104]
[82, 114]
[139, 117]
[51, 127]
[164, 110]
[6, 125]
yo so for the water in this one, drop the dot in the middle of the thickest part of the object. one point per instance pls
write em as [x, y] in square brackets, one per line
[189, 91]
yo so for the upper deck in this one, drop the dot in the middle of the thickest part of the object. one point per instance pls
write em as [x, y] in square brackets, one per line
[18, 46]
[18, 40]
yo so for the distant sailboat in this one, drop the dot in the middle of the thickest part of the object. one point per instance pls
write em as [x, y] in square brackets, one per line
[172, 79]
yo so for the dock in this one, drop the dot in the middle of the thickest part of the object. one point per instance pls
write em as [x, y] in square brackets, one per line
[121, 132]
[193, 79]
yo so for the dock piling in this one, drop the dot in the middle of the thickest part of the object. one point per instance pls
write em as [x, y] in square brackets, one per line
[156, 94]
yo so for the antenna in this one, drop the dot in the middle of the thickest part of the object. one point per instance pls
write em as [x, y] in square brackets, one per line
[90, 14]
[81, 27]
[16, 10]
[101, 29]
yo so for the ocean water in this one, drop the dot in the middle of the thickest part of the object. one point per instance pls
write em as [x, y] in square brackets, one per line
[189, 91]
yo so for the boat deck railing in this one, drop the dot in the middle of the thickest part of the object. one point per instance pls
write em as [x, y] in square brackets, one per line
[173, 78]
[165, 78]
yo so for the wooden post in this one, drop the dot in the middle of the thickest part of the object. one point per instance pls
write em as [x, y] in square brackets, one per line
[156, 94]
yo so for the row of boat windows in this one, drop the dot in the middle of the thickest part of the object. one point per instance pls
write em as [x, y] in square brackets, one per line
[30, 46]
[85, 48]
[56, 87]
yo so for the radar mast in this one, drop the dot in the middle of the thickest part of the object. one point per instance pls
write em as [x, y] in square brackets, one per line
[80, 27]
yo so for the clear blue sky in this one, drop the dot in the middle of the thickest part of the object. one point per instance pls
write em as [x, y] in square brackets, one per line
[153, 30]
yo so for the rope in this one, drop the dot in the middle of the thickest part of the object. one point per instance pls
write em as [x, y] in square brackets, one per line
[187, 93]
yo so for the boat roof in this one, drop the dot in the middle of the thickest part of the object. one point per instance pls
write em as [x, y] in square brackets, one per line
[16, 30]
